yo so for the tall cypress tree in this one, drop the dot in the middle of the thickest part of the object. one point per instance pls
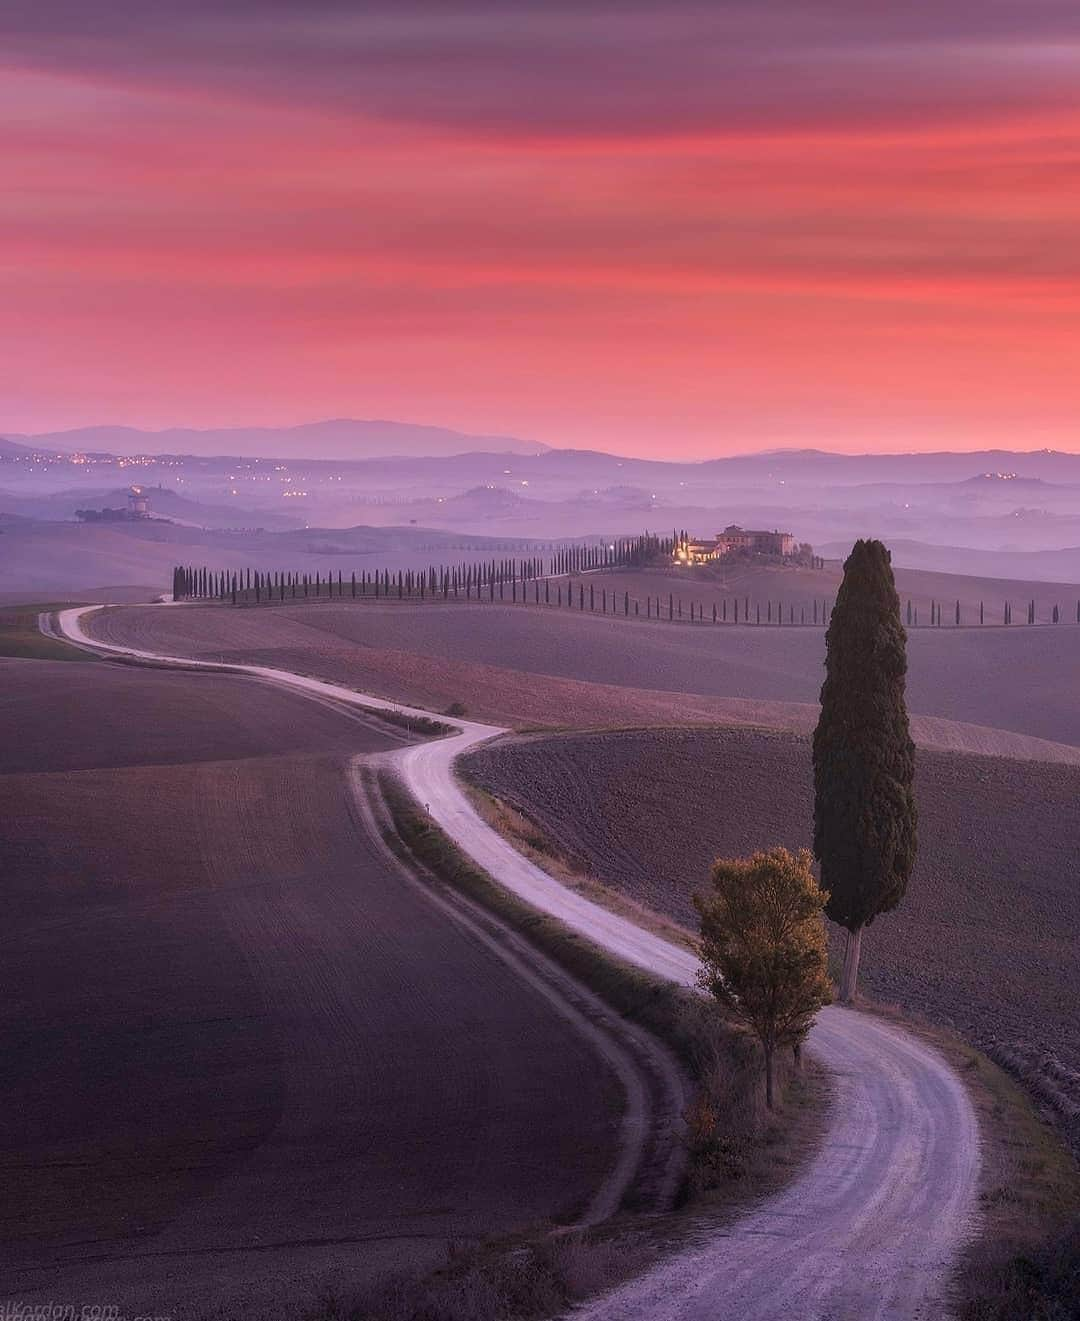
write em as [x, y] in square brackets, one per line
[864, 759]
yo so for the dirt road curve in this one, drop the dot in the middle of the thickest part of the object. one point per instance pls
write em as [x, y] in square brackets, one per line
[871, 1228]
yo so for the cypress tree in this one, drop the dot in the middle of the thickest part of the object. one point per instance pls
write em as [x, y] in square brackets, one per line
[864, 759]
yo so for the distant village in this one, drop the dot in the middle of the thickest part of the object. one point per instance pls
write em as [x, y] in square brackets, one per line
[737, 541]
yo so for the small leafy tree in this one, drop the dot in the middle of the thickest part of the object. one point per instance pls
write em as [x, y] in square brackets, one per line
[763, 949]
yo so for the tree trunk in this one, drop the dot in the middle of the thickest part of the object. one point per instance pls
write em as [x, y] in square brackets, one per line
[852, 950]
[769, 1077]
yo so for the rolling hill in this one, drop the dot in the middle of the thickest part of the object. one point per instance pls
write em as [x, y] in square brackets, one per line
[337, 438]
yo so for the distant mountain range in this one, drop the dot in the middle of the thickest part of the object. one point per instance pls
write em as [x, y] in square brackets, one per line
[397, 446]
[339, 438]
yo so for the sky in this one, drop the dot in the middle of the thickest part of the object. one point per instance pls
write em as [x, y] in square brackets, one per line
[671, 229]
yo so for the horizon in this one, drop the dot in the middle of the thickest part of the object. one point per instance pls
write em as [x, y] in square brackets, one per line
[685, 232]
[854, 452]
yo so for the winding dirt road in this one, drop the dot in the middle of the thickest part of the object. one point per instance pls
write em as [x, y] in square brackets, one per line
[870, 1229]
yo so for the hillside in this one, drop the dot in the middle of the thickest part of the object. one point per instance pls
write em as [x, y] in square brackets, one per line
[1010, 505]
[165, 503]
[1060, 564]
[987, 939]
[227, 1029]
[528, 666]
[796, 589]
[51, 558]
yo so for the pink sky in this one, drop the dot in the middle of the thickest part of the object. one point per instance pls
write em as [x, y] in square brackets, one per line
[870, 247]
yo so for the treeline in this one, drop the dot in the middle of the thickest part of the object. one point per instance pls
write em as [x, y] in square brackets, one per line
[958, 618]
[515, 582]
[539, 580]
[471, 580]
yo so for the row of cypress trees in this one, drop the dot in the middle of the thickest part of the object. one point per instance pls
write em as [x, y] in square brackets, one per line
[492, 582]
[1056, 614]
[470, 579]
[509, 580]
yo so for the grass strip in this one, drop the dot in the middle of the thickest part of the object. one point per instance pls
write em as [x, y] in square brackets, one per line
[21, 636]
[682, 1019]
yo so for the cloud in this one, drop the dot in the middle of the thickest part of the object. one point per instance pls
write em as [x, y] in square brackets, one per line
[581, 221]
[567, 68]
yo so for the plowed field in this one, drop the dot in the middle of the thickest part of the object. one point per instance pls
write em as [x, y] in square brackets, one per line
[230, 1025]
[988, 936]
[529, 666]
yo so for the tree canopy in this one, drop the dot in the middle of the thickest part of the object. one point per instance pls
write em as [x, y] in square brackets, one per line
[864, 760]
[763, 946]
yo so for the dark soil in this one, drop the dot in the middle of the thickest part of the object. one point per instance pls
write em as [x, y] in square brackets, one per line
[62, 717]
[987, 939]
[230, 1025]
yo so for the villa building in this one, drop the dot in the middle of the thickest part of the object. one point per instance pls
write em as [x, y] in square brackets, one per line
[736, 540]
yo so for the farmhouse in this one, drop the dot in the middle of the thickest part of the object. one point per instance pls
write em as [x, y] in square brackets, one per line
[697, 552]
[138, 508]
[736, 540]
[734, 537]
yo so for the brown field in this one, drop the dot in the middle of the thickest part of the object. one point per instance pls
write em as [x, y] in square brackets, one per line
[111, 715]
[84, 596]
[526, 666]
[988, 937]
[231, 1025]
[51, 557]
[21, 635]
